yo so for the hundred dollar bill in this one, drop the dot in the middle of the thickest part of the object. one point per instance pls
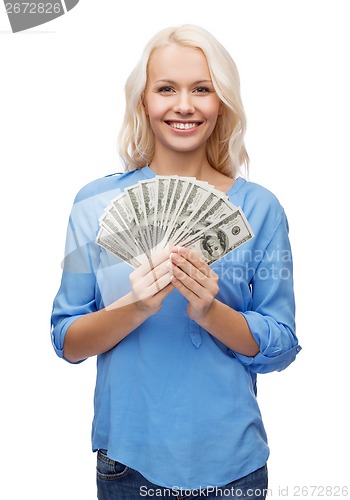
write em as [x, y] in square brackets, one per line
[134, 200]
[171, 184]
[198, 198]
[149, 200]
[112, 222]
[124, 207]
[155, 214]
[213, 211]
[162, 194]
[222, 237]
[180, 192]
[110, 242]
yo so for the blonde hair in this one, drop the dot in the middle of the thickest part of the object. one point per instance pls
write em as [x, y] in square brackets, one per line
[226, 151]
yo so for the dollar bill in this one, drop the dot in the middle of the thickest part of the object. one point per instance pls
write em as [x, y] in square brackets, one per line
[149, 198]
[111, 243]
[113, 224]
[155, 214]
[222, 237]
[212, 211]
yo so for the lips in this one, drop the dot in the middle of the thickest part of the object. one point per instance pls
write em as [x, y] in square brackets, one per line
[183, 125]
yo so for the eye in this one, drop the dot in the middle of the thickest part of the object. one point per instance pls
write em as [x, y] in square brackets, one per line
[202, 90]
[165, 90]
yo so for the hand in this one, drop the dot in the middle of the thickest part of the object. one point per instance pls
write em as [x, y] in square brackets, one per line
[151, 283]
[194, 279]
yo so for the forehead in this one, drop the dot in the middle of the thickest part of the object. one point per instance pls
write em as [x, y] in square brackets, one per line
[174, 61]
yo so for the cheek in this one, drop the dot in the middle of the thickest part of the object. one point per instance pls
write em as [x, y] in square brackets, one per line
[216, 106]
[212, 117]
[216, 109]
[153, 108]
[212, 111]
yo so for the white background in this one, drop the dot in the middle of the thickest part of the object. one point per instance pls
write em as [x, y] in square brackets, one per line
[61, 100]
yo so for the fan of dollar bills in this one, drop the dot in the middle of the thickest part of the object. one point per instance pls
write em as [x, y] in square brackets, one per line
[162, 212]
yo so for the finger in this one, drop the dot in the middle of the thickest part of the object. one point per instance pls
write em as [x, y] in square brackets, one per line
[188, 268]
[162, 280]
[143, 269]
[194, 280]
[186, 292]
[157, 257]
[147, 276]
[157, 272]
[193, 257]
[167, 287]
[143, 291]
[130, 298]
[156, 288]
[193, 288]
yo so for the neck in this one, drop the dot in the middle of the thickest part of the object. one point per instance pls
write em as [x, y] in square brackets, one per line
[190, 164]
[182, 164]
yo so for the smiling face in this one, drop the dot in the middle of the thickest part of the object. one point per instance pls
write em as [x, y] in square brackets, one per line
[180, 99]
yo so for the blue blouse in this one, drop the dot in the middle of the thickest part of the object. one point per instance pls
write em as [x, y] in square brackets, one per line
[171, 401]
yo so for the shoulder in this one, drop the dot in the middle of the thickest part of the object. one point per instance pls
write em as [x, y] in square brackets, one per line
[111, 182]
[255, 197]
[257, 194]
[260, 205]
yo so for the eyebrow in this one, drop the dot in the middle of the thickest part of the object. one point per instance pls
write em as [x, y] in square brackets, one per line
[174, 83]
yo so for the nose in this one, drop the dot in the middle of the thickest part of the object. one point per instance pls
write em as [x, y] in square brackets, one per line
[184, 104]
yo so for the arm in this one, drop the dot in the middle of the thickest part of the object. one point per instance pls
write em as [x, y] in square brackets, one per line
[199, 284]
[237, 337]
[80, 327]
[271, 318]
[263, 337]
[100, 331]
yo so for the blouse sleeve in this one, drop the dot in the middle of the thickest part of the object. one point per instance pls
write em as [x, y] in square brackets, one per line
[271, 318]
[76, 295]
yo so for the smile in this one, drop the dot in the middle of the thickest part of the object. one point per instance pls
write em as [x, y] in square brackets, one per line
[183, 125]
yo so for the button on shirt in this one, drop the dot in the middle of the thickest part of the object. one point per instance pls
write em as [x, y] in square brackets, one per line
[172, 401]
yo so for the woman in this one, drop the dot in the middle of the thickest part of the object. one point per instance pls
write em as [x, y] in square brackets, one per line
[179, 346]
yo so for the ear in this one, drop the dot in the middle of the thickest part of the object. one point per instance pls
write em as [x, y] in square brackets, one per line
[144, 104]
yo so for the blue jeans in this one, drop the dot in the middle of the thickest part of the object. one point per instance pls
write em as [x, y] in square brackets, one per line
[116, 481]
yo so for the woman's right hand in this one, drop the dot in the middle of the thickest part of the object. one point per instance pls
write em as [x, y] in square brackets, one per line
[100, 331]
[151, 283]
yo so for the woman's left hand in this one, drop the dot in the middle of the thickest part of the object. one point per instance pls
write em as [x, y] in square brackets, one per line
[195, 280]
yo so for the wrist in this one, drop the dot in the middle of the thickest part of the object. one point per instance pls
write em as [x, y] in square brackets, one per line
[145, 309]
[131, 306]
[205, 317]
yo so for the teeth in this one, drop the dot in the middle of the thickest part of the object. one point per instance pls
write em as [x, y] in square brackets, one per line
[183, 126]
